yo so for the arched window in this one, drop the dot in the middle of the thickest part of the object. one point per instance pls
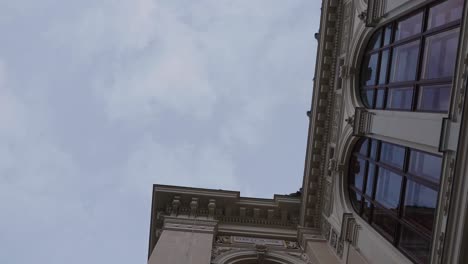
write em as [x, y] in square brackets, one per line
[409, 63]
[395, 188]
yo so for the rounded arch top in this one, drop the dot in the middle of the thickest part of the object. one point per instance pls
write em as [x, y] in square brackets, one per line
[250, 256]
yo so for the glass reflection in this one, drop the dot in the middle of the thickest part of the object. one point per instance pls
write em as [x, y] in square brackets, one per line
[370, 179]
[384, 222]
[425, 165]
[405, 62]
[358, 169]
[383, 67]
[409, 27]
[375, 41]
[380, 99]
[434, 98]
[392, 154]
[444, 13]
[400, 98]
[388, 34]
[388, 189]
[369, 73]
[414, 244]
[420, 204]
[440, 55]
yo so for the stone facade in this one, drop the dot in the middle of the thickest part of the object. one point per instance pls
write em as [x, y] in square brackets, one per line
[191, 225]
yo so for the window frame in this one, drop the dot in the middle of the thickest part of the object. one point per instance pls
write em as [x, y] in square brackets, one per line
[398, 214]
[418, 81]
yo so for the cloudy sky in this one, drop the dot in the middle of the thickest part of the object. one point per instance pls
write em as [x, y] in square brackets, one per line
[99, 99]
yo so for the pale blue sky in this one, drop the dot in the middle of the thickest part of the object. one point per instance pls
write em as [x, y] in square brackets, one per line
[99, 99]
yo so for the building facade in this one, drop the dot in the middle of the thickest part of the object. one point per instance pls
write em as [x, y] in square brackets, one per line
[385, 178]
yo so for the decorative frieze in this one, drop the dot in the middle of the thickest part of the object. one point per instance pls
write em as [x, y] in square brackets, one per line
[374, 13]
[362, 121]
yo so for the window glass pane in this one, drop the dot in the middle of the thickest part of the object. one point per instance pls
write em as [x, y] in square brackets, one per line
[388, 189]
[434, 98]
[425, 165]
[380, 99]
[375, 40]
[383, 67]
[415, 245]
[420, 204]
[409, 27]
[440, 55]
[444, 13]
[388, 34]
[374, 149]
[355, 200]
[368, 97]
[405, 62]
[384, 222]
[363, 146]
[392, 154]
[370, 179]
[366, 211]
[400, 98]
[369, 71]
[358, 169]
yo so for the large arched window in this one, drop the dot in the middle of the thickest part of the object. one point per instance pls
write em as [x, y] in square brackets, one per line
[395, 189]
[409, 63]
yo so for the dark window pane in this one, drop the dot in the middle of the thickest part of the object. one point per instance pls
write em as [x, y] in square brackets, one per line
[368, 97]
[420, 204]
[388, 34]
[409, 27]
[392, 154]
[380, 99]
[415, 245]
[384, 222]
[440, 55]
[388, 189]
[425, 165]
[369, 71]
[355, 200]
[444, 13]
[370, 179]
[375, 41]
[363, 146]
[374, 144]
[366, 211]
[405, 62]
[400, 98]
[358, 169]
[434, 98]
[383, 67]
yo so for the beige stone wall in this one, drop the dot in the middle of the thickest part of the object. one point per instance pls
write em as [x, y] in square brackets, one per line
[178, 247]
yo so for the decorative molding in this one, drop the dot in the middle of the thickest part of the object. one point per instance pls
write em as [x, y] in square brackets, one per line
[362, 121]
[449, 183]
[305, 235]
[190, 225]
[321, 120]
[440, 247]
[334, 238]
[325, 228]
[350, 229]
[374, 13]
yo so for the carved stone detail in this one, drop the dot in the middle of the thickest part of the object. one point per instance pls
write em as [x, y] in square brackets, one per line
[375, 12]
[350, 229]
[362, 121]
[346, 29]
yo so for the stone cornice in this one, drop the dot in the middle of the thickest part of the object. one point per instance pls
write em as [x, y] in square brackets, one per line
[196, 209]
[190, 225]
